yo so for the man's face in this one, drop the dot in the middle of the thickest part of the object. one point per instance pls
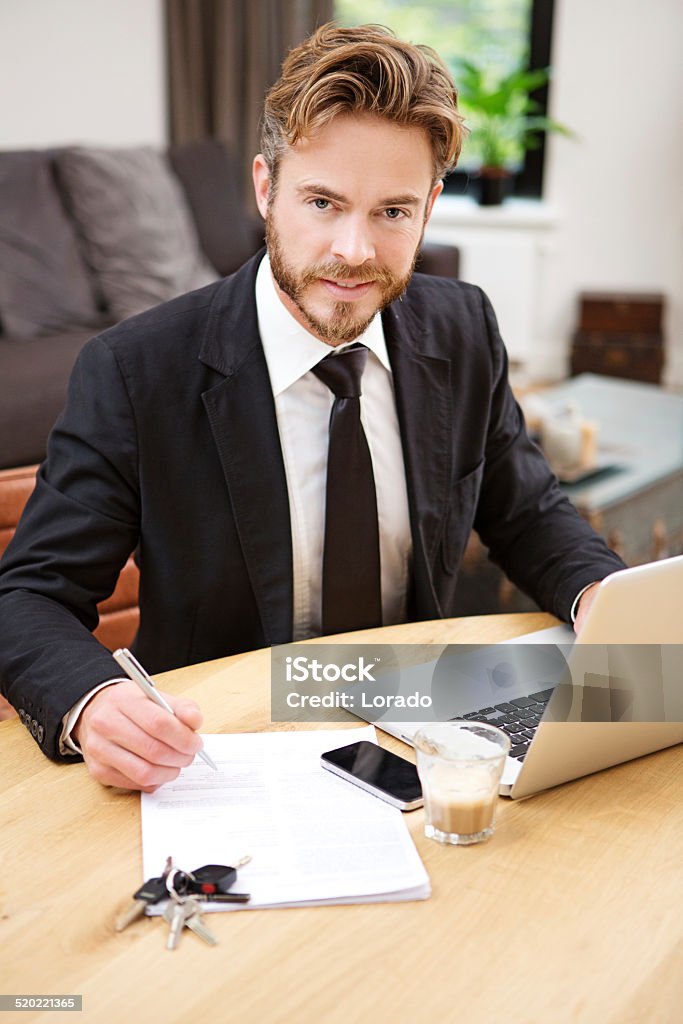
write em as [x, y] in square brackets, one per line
[346, 221]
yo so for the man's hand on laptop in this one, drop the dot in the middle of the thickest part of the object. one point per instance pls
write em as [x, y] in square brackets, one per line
[131, 742]
[585, 602]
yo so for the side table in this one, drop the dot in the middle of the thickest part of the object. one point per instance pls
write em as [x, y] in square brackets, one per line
[633, 498]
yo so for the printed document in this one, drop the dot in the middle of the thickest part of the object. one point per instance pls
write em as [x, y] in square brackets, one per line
[313, 838]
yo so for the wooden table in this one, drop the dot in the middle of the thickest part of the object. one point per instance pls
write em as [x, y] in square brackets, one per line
[572, 912]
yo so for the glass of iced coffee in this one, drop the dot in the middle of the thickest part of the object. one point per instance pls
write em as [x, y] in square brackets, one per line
[460, 765]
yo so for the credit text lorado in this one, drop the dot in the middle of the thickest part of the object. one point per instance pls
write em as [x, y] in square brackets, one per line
[350, 701]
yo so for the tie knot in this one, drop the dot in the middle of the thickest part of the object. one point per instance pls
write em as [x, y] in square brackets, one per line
[342, 373]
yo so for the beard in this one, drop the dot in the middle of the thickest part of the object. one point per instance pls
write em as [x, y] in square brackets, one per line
[342, 324]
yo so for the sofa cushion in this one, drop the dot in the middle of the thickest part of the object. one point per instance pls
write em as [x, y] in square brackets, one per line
[138, 234]
[210, 175]
[44, 284]
[34, 374]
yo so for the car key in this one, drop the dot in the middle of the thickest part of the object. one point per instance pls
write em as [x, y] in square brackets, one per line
[227, 897]
[176, 912]
[150, 892]
[184, 911]
[194, 922]
[212, 879]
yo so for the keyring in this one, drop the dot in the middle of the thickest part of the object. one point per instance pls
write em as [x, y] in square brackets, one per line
[177, 882]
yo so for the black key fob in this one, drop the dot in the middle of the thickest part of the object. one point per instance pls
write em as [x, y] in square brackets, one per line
[153, 890]
[212, 879]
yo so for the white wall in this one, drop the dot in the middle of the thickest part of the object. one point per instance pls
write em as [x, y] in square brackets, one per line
[81, 71]
[618, 192]
[612, 216]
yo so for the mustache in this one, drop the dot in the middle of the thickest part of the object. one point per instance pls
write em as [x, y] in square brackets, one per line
[343, 272]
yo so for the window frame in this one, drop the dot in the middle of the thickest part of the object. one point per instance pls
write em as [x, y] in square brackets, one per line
[526, 183]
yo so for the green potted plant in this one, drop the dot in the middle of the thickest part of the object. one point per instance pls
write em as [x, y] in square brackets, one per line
[505, 121]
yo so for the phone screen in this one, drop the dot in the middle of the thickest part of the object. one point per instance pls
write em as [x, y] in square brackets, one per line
[371, 764]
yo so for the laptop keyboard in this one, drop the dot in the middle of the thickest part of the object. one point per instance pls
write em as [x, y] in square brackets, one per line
[519, 718]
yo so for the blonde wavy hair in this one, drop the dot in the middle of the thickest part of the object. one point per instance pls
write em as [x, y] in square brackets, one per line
[362, 70]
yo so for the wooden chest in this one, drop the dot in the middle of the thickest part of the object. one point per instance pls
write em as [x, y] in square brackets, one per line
[620, 335]
[631, 356]
[621, 312]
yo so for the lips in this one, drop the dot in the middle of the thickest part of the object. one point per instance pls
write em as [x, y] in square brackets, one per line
[347, 290]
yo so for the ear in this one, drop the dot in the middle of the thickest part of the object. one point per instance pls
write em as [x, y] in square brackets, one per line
[436, 191]
[261, 176]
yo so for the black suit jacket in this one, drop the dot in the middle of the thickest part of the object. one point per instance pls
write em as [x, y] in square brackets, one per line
[169, 444]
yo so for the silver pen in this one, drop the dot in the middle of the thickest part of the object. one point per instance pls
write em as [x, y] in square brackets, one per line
[132, 667]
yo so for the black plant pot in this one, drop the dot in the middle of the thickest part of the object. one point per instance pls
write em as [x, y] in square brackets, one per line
[493, 187]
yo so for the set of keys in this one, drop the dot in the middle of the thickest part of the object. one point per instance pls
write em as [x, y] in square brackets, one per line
[185, 892]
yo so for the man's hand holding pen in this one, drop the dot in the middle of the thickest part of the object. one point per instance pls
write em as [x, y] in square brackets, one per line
[131, 742]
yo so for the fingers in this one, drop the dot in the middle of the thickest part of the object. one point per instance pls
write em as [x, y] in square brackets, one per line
[129, 741]
[187, 711]
[153, 733]
[113, 766]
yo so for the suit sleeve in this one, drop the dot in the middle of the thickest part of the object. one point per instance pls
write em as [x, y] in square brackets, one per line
[530, 527]
[78, 528]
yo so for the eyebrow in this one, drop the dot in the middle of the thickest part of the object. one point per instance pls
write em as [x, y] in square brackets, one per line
[406, 199]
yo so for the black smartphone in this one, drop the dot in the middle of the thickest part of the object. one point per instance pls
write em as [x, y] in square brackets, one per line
[378, 771]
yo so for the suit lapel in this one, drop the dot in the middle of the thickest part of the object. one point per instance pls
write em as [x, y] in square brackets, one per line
[241, 412]
[425, 413]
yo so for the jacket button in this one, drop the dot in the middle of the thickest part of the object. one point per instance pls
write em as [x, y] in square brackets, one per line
[34, 728]
[41, 733]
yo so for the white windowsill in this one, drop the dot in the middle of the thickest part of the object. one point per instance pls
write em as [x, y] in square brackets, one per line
[461, 211]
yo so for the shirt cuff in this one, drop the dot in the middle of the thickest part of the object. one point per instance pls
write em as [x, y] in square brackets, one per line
[575, 606]
[68, 746]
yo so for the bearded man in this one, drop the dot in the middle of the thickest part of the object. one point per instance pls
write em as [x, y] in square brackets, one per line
[272, 492]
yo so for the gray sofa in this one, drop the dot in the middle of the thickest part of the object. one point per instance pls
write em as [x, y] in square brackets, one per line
[88, 236]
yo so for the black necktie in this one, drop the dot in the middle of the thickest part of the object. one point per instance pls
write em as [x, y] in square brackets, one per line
[351, 568]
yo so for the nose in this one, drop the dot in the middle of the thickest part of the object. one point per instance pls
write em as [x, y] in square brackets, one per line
[353, 242]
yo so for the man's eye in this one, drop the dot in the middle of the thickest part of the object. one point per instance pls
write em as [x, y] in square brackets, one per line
[393, 213]
[321, 204]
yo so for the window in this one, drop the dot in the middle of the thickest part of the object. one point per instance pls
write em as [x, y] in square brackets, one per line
[501, 34]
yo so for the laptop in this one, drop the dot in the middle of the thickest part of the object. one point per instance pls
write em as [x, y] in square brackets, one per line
[572, 705]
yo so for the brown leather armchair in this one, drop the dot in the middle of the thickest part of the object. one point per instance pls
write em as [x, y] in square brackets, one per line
[119, 613]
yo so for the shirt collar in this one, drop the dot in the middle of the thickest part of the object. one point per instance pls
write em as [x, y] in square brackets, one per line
[291, 350]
